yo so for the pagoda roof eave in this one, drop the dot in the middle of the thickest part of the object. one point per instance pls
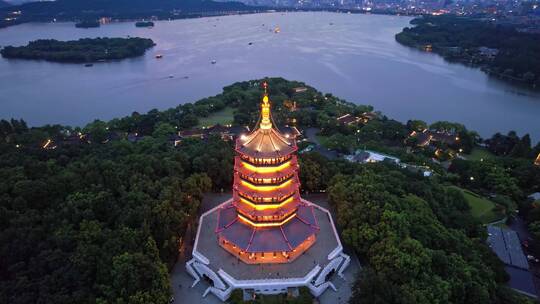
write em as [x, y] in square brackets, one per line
[275, 193]
[266, 144]
[238, 167]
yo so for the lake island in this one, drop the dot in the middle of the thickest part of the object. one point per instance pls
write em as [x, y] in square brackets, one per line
[82, 50]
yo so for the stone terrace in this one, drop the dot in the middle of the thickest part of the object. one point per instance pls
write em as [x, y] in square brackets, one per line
[220, 259]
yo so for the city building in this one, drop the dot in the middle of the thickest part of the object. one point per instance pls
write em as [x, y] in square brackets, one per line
[427, 137]
[421, 139]
[300, 89]
[266, 239]
[505, 243]
[348, 119]
[367, 156]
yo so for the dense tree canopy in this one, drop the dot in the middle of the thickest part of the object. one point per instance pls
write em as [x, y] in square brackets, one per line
[82, 50]
[118, 9]
[98, 223]
[418, 238]
[460, 38]
[99, 220]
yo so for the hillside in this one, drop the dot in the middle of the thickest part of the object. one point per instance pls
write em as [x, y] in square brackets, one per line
[502, 51]
[68, 10]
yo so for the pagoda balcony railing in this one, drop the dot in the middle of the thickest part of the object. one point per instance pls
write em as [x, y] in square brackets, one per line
[266, 190]
[265, 162]
[267, 218]
[285, 206]
[267, 181]
[269, 201]
[272, 199]
[257, 171]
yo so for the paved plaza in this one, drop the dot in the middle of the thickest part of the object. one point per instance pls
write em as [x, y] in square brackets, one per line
[181, 280]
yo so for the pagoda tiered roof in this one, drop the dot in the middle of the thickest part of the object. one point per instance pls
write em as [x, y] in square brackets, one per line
[288, 206]
[255, 239]
[281, 171]
[265, 144]
[266, 214]
[278, 194]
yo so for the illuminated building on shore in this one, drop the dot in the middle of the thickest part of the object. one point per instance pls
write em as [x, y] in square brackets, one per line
[537, 161]
[266, 239]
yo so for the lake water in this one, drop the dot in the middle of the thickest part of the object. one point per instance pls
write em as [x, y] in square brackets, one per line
[354, 57]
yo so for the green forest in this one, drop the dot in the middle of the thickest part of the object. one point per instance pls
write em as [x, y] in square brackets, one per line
[100, 220]
[71, 10]
[82, 50]
[419, 239]
[514, 55]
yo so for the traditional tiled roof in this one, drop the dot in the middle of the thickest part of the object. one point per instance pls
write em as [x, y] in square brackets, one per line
[265, 144]
[278, 194]
[266, 213]
[348, 119]
[240, 168]
[270, 239]
[253, 212]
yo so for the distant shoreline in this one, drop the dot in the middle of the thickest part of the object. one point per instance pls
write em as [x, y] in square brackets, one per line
[168, 17]
[469, 41]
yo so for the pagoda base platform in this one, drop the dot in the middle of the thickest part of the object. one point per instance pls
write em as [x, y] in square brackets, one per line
[225, 272]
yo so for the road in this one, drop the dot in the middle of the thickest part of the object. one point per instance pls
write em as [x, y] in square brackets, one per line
[310, 134]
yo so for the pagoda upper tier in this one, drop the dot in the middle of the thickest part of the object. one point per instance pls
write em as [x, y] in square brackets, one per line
[266, 198]
[266, 145]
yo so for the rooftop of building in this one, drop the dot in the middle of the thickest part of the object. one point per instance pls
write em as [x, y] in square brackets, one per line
[266, 141]
[363, 156]
[219, 258]
[265, 144]
[505, 243]
[348, 119]
[285, 237]
[426, 136]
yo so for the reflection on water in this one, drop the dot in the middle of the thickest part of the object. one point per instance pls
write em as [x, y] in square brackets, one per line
[352, 56]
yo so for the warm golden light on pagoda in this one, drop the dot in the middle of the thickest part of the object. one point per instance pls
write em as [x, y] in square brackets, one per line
[267, 215]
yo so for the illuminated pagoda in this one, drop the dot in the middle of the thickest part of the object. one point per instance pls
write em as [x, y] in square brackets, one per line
[537, 161]
[266, 222]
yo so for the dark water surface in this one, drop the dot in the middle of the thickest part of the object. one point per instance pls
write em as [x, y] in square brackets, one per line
[352, 56]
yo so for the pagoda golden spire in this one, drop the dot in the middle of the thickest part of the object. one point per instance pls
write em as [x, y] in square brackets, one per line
[266, 123]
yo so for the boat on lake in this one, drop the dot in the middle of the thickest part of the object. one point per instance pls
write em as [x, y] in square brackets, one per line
[159, 56]
[87, 24]
[144, 24]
